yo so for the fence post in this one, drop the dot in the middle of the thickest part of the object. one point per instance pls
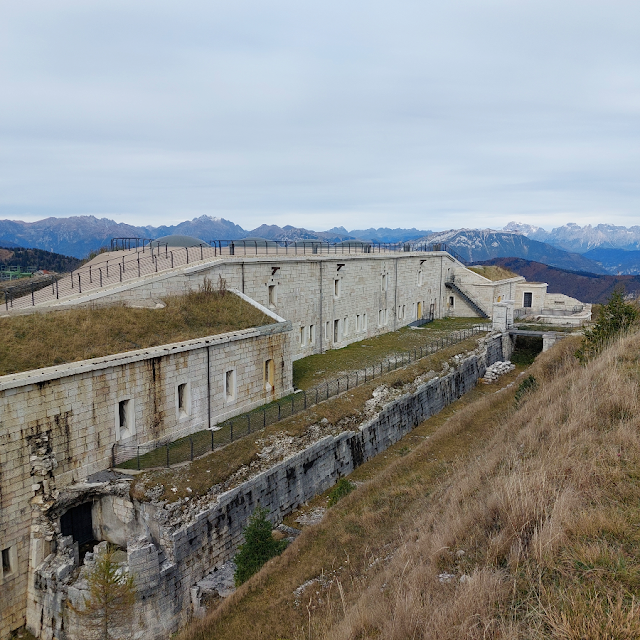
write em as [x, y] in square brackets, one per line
[248, 423]
[33, 300]
[264, 418]
[211, 439]
[279, 411]
[187, 248]
[120, 269]
[231, 430]
[305, 399]
[6, 300]
[191, 446]
[100, 277]
[292, 401]
[138, 456]
[138, 265]
[113, 455]
[79, 284]
[168, 453]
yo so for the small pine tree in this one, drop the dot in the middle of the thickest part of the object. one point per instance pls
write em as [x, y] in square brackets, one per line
[616, 317]
[111, 598]
[259, 546]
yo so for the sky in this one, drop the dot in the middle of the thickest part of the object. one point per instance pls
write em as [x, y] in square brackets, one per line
[432, 115]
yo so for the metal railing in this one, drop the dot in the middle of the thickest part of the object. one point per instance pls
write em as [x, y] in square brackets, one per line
[153, 455]
[152, 258]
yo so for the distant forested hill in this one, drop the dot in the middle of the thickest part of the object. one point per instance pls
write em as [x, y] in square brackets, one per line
[38, 258]
[586, 287]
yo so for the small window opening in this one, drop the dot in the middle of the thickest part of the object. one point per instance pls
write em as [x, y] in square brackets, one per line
[336, 330]
[384, 282]
[269, 373]
[312, 334]
[230, 385]
[336, 288]
[183, 400]
[272, 294]
[327, 333]
[302, 336]
[123, 410]
[528, 299]
[364, 321]
[451, 301]
[345, 327]
[6, 562]
[358, 325]
[420, 279]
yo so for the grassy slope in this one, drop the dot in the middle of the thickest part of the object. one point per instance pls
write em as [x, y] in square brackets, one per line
[493, 272]
[46, 339]
[313, 370]
[537, 507]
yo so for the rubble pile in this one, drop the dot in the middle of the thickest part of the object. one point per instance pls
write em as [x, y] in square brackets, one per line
[496, 370]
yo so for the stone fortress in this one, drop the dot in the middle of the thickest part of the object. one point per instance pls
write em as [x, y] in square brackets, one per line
[58, 425]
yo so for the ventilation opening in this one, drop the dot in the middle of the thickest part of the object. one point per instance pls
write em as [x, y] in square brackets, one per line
[336, 330]
[272, 294]
[336, 288]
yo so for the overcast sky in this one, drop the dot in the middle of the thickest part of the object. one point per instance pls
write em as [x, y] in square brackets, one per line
[401, 114]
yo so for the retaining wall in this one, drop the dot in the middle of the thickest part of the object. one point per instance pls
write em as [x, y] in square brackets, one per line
[167, 561]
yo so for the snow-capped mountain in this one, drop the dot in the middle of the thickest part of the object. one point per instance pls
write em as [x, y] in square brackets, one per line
[475, 245]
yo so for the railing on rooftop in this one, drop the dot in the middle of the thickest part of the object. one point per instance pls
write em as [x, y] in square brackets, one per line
[151, 257]
[165, 454]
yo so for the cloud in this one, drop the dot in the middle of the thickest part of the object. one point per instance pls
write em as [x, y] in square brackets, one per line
[418, 114]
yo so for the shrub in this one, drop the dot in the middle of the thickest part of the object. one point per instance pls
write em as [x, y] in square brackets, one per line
[259, 546]
[527, 385]
[343, 488]
[615, 318]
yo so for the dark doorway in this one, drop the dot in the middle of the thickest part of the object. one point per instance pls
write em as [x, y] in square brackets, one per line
[77, 523]
[528, 299]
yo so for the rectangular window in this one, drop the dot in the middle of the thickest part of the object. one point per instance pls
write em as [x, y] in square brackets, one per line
[403, 311]
[302, 336]
[358, 325]
[6, 562]
[364, 321]
[451, 301]
[327, 333]
[528, 299]
[230, 385]
[420, 278]
[183, 400]
[269, 375]
[380, 318]
[125, 421]
[272, 295]
[345, 327]
[336, 288]
[384, 282]
[336, 330]
[312, 334]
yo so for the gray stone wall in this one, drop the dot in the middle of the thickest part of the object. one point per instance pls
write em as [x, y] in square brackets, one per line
[168, 563]
[58, 425]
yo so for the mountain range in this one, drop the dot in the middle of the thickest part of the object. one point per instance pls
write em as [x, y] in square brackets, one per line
[600, 249]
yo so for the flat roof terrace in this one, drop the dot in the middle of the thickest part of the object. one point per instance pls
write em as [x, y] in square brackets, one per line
[40, 340]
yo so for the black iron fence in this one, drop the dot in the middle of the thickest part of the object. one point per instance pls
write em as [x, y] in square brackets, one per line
[148, 456]
[149, 257]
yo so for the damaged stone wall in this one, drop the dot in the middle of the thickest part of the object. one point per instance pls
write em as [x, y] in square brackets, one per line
[58, 426]
[175, 548]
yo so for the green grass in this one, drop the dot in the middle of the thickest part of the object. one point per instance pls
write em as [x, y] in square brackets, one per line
[313, 370]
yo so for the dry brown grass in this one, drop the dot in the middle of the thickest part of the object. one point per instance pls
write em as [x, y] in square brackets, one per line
[543, 501]
[47, 339]
[493, 272]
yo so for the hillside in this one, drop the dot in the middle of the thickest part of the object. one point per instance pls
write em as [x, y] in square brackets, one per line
[37, 258]
[586, 287]
[471, 529]
[616, 261]
[476, 245]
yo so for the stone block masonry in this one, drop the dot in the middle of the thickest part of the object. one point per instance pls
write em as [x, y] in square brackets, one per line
[58, 426]
[169, 559]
